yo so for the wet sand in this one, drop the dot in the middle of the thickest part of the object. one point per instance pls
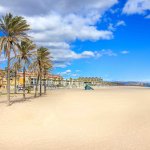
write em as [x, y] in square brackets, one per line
[103, 119]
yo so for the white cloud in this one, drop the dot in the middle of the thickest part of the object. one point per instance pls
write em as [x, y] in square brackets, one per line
[120, 23]
[114, 11]
[65, 73]
[54, 45]
[65, 28]
[136, 6]
[38, 7]
[56, 25]
[63, 57]
[74, 75]
[113, 27]
[3, 10]
[68, 73]
[125, 52]
[106, 53]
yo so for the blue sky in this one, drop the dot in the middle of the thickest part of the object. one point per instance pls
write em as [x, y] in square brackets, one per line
[112, 42]
[134, 38]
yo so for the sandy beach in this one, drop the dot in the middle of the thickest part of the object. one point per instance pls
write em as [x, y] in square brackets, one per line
[67, 119]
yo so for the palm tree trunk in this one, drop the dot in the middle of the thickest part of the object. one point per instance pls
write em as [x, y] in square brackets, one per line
[40, 85]
[36, 89]
[15, 81]
[24, 80]
[8, 80]
[44, 84]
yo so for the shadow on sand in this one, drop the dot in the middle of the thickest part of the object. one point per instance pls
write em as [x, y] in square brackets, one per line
[15, 100]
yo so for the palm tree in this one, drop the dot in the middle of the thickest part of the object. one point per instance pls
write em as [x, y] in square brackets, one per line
[25, 56]
[40, 64]
[14, 29]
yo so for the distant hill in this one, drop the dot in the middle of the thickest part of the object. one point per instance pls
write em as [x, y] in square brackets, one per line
[131, 83]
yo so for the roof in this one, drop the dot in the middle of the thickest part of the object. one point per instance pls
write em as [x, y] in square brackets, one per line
[32, 74]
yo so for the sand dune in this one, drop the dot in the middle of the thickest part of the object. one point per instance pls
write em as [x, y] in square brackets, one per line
[103, 119]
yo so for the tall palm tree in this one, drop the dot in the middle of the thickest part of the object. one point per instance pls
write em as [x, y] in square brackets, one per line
[44, 57]
[40, 64]
[14, 29]
[25, 56]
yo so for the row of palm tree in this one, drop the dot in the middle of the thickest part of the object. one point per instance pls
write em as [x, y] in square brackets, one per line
[41, 65]
[15, 41]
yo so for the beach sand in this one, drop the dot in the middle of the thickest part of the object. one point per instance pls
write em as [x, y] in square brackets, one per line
[115, 118]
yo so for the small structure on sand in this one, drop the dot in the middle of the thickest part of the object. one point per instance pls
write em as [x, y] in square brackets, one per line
[87, 87]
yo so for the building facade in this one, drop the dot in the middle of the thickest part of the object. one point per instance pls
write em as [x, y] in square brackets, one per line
[51, 81]
[30, 79]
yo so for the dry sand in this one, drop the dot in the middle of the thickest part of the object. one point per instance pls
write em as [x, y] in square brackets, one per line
[104, 119]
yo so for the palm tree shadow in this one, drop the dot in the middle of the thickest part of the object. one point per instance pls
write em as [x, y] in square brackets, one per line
[1, 102]
[21, 100]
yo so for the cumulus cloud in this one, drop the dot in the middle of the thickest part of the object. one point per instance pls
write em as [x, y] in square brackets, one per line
[56, 25]
[136, 6]
[65, 56]
[55, 28]
[38, 7]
